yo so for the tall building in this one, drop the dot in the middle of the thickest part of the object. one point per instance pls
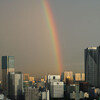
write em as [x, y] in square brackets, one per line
[98, 66]
[91, 65]
[67, 75]
[15, 85]
[7, 66]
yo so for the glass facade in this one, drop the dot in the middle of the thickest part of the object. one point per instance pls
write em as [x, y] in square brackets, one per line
[7, 62]
[91, 65]
[4, 62]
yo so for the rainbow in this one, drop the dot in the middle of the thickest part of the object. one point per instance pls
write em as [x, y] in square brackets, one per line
[53, 33]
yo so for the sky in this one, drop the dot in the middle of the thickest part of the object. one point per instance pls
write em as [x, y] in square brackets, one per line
[24, 34]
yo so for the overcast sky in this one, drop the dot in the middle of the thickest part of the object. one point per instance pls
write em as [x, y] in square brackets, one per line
[24, 33]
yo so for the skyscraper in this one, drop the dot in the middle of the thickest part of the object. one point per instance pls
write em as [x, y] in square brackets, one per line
[15, 85]
[98, 66]
[7, 66]
[91, 65]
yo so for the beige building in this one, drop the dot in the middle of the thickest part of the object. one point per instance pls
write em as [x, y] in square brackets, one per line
[67, 75]
[79, 77]
[83, 76]
[26, 77]
[31, 79]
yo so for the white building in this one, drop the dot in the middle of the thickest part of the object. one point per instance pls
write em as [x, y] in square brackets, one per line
[31, 93]
[53, 78]
[1, 97]
[57, 89]
[45, 95]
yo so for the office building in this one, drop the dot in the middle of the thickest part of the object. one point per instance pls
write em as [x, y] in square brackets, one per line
[84, 86]
[1, 97]
[7, 66]
[67, 75]
[26, 77]
[15, 85]
[77, 95]
[91, 65]
[31, 93]
[79, 77]
[45, 95]
[57, 90]
[53, 78]
[98, 76]
[73, 87]
[83, 77]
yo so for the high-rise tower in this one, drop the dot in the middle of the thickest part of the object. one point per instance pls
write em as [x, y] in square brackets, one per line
[15, 86]
[91, 65]
[7, 66]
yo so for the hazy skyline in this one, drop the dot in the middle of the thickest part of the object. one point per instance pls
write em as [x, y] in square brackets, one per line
[24, 33]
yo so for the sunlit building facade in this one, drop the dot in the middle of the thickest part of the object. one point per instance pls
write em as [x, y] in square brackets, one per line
[83, 77]
[31, 79]
[67, 75]
[79, 76]
[26, 77]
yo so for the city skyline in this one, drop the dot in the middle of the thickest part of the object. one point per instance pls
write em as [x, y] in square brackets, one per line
[24, 34]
